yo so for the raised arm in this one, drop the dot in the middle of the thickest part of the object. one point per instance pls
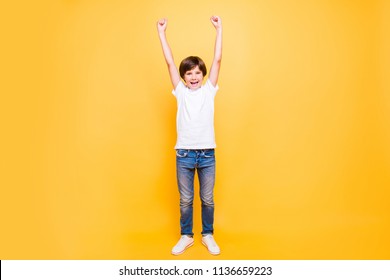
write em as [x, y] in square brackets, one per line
[215, 66]
[173, 72]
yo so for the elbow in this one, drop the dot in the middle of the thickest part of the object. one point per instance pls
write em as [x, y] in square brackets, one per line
[170, 64]
[218, 57]
[217, 60]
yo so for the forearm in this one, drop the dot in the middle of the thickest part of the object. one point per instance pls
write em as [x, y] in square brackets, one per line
[218, 46]
[173, 73]
[215, 66]
[166, 49]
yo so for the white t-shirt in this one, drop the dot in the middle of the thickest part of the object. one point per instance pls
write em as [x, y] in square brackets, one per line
[195, 116]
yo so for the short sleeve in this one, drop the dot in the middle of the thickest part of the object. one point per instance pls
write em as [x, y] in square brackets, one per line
[212, 88]
[179, 88]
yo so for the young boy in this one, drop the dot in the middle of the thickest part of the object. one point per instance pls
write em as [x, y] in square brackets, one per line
[195, 136]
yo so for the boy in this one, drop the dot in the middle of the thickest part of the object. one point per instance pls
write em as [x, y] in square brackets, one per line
[195, 136]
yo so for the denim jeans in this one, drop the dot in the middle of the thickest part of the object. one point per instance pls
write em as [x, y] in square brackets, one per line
[187, 161]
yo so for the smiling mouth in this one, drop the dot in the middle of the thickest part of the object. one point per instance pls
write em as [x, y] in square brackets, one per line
[194, 83]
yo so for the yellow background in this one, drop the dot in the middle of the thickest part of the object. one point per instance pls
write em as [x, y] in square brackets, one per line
[88, 129]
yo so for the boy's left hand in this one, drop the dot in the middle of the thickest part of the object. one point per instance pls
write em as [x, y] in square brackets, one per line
[216, 21]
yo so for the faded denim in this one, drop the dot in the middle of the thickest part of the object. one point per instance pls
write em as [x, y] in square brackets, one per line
[187, 161]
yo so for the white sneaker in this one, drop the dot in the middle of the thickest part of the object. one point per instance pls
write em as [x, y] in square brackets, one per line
[183, 243]
[209, 242]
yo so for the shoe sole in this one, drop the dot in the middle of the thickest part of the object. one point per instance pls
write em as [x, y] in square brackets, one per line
[181, 252]
[214, 254]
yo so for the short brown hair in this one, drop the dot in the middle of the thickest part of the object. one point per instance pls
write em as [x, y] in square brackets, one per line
[190, 63]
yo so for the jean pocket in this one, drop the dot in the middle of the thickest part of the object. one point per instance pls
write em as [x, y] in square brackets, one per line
[209, 153]
[181, 153]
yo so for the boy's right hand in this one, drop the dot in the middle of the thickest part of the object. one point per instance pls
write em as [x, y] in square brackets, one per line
[162, 24]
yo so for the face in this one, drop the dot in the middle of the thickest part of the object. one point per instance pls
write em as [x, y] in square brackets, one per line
[193, 78]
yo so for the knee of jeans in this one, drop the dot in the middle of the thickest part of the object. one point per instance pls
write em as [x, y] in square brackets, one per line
[186, 201]
[207, 201]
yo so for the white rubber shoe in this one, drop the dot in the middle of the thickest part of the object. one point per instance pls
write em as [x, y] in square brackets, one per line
[209, 242]
[183, 243]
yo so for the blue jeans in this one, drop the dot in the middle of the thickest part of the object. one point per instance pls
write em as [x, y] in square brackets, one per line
[187, 161]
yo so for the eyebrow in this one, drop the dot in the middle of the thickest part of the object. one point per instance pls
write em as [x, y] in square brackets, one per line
[197, 71]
